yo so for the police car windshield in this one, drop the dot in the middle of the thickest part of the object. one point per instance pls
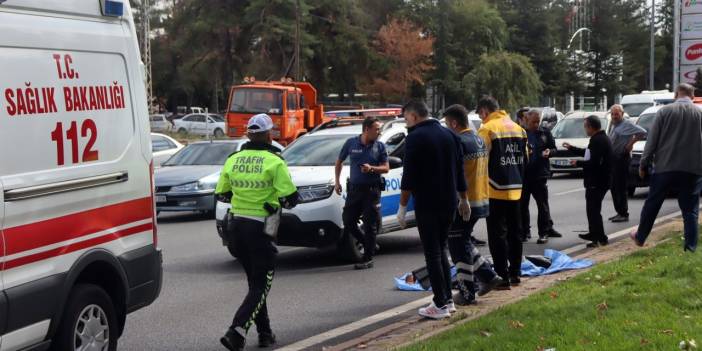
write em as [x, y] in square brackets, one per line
[202, 154]
[320, 150]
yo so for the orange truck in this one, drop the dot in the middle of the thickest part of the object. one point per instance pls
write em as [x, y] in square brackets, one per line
[292, 105]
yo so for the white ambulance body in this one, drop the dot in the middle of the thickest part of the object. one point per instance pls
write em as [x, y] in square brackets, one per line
[78, 248]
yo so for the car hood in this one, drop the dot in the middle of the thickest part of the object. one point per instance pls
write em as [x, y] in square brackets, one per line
[577, 142]
[177, 175]
[639, 146]
[304, 176]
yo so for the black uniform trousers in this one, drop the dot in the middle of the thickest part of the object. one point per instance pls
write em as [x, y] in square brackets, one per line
[363, 202]
[593, 206]
[471, 267]
[433, 227]
[256, 253]
[504, 227]
[538, 189]
[620, 178]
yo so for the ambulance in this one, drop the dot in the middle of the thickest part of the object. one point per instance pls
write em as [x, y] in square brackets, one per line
[78, 246]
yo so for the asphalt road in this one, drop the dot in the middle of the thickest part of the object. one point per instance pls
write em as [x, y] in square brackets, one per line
[313, 291]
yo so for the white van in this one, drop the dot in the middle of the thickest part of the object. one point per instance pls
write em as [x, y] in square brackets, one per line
[78, 248]
[635, 104]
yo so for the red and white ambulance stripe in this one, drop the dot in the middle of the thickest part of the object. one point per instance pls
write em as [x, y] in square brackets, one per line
[34, 242]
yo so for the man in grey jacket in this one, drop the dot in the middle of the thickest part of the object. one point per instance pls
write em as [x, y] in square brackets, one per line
[623, 136]
[673, 158]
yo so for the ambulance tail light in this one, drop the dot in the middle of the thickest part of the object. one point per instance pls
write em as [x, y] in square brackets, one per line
[153, 203]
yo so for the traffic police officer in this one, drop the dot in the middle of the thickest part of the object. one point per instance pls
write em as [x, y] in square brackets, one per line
[369, 160]
[259, 184]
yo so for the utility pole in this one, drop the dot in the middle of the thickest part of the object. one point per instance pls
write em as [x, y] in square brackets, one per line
[653, 46]
[297, 40]
[146, 48]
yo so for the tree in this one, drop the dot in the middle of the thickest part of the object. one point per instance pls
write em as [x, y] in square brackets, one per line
[509, 77]
[406, 52]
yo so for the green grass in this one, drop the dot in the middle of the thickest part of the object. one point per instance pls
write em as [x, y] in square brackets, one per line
[650, 300]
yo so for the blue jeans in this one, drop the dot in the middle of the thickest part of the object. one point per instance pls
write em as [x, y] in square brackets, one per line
[688, 187]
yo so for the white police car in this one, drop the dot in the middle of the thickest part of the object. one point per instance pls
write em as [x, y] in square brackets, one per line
[317, 221]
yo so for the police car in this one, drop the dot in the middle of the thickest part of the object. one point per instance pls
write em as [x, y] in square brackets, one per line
[316, 221]
[78, 248]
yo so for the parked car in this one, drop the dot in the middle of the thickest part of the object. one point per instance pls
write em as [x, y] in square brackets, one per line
[635, 104]
[201, 124]
[163, 147]
[186, 182]
[570, 129]
[160, 123]
[316, 221]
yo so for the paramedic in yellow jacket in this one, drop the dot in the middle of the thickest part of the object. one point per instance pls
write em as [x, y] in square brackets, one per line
[506, 144]
[471, 267]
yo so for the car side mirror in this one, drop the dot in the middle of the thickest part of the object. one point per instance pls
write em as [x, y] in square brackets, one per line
[395, 162]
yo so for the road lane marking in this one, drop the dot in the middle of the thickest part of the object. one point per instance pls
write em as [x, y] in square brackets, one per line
[360, 324]
[365, 322]
[569, 192]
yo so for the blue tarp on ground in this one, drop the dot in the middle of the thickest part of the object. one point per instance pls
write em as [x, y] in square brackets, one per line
[559, 262]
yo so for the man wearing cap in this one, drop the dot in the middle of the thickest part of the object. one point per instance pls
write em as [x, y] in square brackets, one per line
[257, 181]
[368, 161]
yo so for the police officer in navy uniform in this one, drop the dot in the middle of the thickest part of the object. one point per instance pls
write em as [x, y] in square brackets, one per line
[369, 160]
[258, 182]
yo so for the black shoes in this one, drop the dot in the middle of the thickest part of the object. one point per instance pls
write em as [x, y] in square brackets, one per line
[619, 219]
[477, 242]
[593, 242]
[587, 237]
[266, 339]
[233, 341]
[542, 240]
[596, 244]
[554, 234]
[490, 286]
[514, 280]
[364, 265]
[504, 285]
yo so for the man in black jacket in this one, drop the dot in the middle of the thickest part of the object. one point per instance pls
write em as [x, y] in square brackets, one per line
[541, 146]
[596, 165]
[433, 176]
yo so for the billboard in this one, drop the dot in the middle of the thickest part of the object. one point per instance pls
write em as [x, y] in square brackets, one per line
[688, 74]
[691, 7]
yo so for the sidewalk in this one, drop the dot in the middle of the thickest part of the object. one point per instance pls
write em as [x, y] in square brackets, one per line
[415, 329]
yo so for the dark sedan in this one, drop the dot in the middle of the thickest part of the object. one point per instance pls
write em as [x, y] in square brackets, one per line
[186, 182]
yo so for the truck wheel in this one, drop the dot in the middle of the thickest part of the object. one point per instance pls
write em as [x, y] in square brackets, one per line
[218, 133]
[631, 191]
[89, 321]
[350, 249]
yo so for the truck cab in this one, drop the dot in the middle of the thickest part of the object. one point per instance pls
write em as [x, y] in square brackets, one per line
[291, 105]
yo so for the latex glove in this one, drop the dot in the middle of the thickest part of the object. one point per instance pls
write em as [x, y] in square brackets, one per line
[401, 216]
[464, 209]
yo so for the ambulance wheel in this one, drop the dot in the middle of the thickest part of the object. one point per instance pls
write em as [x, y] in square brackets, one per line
[89, 321]
[218, 133]
[631, 191]
[350, 249]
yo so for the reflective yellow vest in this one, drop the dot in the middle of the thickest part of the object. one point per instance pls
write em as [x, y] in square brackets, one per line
[506, 143]
[255, 176]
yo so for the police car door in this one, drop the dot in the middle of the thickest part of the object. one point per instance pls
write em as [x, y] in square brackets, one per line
[390, 198]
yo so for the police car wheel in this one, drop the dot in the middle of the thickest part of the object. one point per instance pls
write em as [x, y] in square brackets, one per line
[89, 321]
[631, 191]
[350, 249]
[231, 249]
[218, 133]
